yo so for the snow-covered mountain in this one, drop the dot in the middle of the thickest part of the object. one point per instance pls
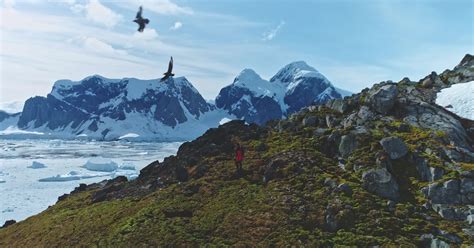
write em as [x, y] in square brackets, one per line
[106, 109]
[102, 108]
[295, 86]
[252, 98]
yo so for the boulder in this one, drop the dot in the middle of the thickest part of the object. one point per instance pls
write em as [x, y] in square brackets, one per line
[467, 174]
[444, 193]
[8, 223]
[310, 121]
[382, 183]
[383, 99]
[394, 146]
[331, 183]
[436, 173]
[422, 168]
[331, 121]
[338, 105]
[450, 213]
[347, 145]
[344, 188]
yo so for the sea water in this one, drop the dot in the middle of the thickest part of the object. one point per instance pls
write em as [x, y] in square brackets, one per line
[28, 191]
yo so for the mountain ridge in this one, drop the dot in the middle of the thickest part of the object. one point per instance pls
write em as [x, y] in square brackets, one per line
[101, 108]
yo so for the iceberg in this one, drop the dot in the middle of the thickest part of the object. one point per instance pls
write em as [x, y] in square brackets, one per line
[101, 164]
[36, 165]
[127, 166]
[71, 176]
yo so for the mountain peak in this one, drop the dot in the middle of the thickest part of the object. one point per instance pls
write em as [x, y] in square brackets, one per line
[468, 60]
[247, 75]
[299, 65]
[293, 70]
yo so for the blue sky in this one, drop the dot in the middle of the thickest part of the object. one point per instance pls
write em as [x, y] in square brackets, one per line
[353, 43]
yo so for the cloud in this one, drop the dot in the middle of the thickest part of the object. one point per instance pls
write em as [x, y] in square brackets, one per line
[99, 13]
[95, 45]
[147, 34]
[267, 36]
[164, 7]
[9, 3]
[176, 26]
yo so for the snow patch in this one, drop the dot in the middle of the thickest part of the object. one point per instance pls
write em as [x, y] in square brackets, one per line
[458, 99]
[129, 135]
[224, 121]
[15, 130]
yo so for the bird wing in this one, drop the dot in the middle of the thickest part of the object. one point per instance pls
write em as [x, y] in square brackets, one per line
[139, 13]
[170, 65]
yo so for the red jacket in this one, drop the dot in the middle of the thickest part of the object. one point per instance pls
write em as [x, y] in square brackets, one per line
[239, 154]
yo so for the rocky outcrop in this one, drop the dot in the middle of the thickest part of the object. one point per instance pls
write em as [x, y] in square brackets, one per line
[454, 191]
[348, 145]
[381, 183]
[395, 147]
[383, 99]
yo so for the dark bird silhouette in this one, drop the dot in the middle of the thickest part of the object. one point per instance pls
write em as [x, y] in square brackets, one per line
[169, 73]
[142, 22]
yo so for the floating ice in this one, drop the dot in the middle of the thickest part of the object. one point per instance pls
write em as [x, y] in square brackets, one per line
[2, 181]
[36, 165]
[129, 135]
[128, 173]
[71, 176]
[101, 164]
[127, 166]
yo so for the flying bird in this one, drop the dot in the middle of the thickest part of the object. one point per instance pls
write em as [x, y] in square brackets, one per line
[142, 22]
[169, 73]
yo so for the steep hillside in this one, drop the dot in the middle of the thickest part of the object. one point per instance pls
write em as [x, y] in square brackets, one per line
[385, 167]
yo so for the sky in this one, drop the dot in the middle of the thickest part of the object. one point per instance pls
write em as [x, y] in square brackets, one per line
[353, 43]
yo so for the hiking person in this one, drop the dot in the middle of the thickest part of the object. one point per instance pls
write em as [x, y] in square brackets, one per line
[239, 157]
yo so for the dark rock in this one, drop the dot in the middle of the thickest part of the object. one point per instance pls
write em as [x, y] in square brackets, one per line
[383, 99]
[8, 223]
[449, 212]
[436, 173]
[427, 83]
[444, 193]
[467, 174]
[338, 105]
[394, 146]
[344, 188]
[271, 169]
[310, 121]
[391, 205]
[331, 121]
[320, 131]
[454, 238]
[422, 168]
[404, 128]
[348, 145]
[170, 213]
[331, 183]
[381, 183]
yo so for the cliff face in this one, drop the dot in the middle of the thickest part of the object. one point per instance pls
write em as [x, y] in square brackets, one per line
[386, 166]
